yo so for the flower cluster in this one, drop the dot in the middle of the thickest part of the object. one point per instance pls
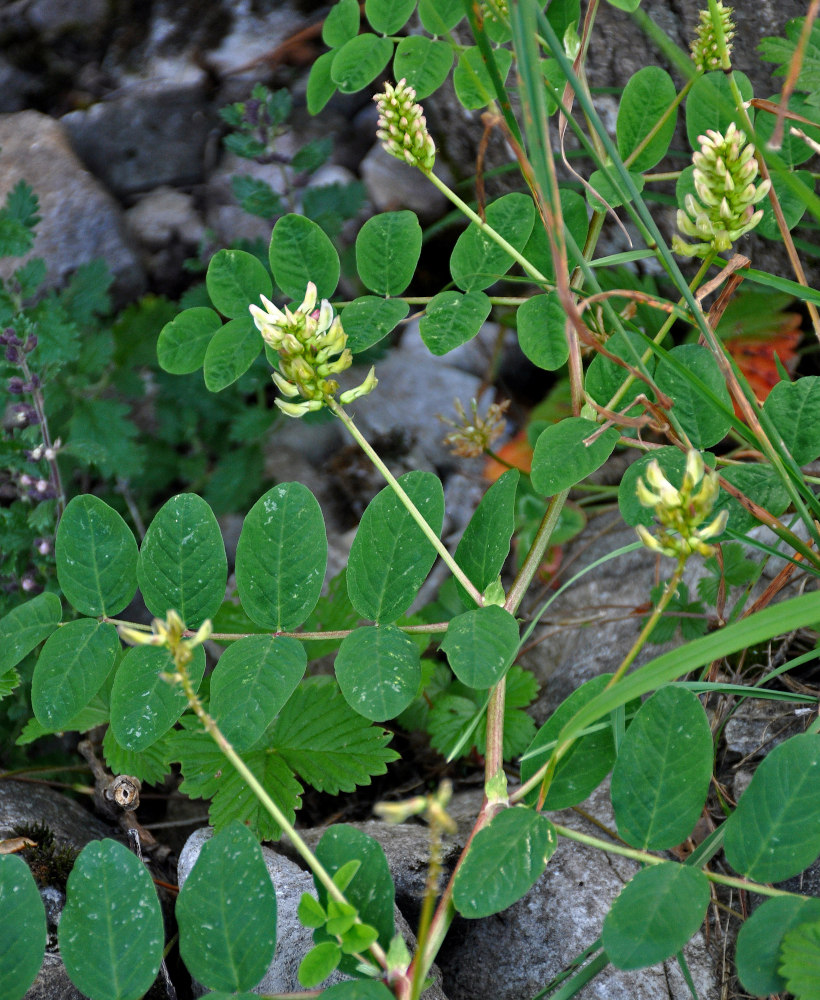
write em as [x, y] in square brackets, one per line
[681, 512]
[306, 340]
[474, 434]
[705, 48]
[724, 176]
[403, 127]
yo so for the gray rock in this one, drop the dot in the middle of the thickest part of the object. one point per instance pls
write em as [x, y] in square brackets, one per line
[392, 185]
[163, 216]
[293, 941]
[80, 222]
[758, 726]
[23, 804]
[144, 136]
[52, 982]
[53, 18]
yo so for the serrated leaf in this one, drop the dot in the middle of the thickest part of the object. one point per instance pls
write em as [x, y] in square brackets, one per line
[144, 705]
[150, 765]
[390, 556]
[111, 901]
[182, 342]
[341, 23]
[471, 79]
[182, 563]
[423, 62]
[102, 433]
[646, 98]
[774, 832]
[587, 762]
[478, 261]
[387, 251]
[328, 744]
[451, 319]
[800, 960]
[359, 61]
[301, 252]
[369, 318]
[655, 915]
[281, 557]
[24, 927]
[759, 940]
[230, 353]
[96, 557]
[226, 912]
[9, 680]
[26, 626]
[378, 671]
[256, 196]
[702, 421]
[370, 891]
[794, 409]
[503, 862]
[253, 679]
[70, 670]
[234, 280]
[662, 775]
[541, 322]
[480, 645]
[562, 457]
[485, 544]
[208, 774]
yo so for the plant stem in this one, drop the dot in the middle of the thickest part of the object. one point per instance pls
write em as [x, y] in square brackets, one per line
[267, 802]
[496, 237]
[646, 631]
[414, 512]
[652, 859]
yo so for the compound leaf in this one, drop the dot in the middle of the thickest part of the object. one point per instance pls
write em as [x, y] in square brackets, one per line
[281, 557]
[359, 61]
[24, 927]
[451, 319]
[226, 912]
[646, 98]
[480, 645]
[234, 280]
[378, 670]
[478, 261]
[387, 251]
[300, 251]
[70, 670]
[655, 915]
[111, 903]
[794, 409]
[485, 544]
[182, 563]
[96, 557]
[562, 457]
[700, 418]
[504, 861]
[662, 775]
[541, 321]
[231, 352]
[423, 62]
[370, 318]
[390, 556]
[183, 342]
[26, 626]
[774, 832]
[253, 679]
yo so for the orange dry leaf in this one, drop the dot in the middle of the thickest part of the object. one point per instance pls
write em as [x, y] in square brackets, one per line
[517, 452]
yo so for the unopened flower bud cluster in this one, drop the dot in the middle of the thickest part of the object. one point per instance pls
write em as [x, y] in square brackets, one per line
[681, 512]
[706, 50]
[169, 634]
[403, 127]
[724, 176]
[311, 345]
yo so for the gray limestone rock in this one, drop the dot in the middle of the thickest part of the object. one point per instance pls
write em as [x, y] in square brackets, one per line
[143, 136]
[80, 221]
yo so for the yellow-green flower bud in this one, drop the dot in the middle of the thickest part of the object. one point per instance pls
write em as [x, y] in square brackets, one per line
[681, 513]
[403, 127]
[367, 386]
[706, 48]
[723, 211]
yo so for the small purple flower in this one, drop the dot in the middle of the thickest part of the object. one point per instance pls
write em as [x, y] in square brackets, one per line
[12, 355]
[25, 415]
[30, 344]
[16, 386]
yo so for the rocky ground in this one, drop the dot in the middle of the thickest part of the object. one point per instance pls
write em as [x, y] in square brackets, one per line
[110, 112]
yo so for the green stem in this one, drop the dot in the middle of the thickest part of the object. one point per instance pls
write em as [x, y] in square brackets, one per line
[414, 512]
[652, 859]
[267, 802]
[646, 631]
[496, 237]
